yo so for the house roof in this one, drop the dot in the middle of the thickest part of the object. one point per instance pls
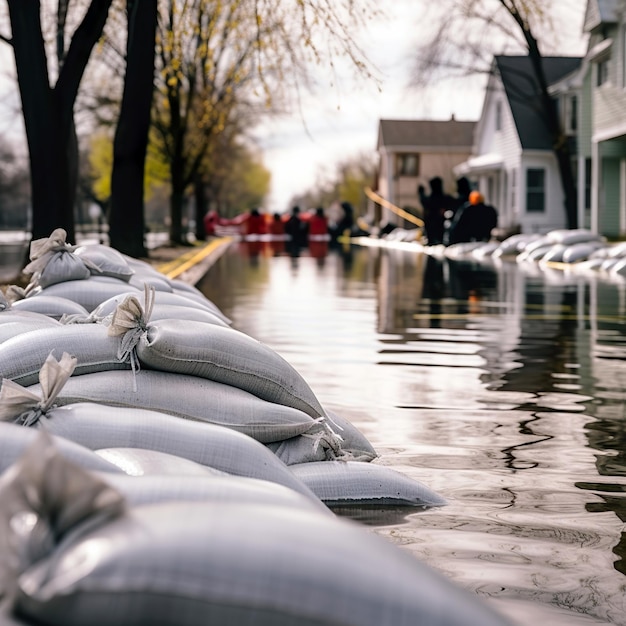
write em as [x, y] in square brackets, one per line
[522, 92]
[420, 134]
[599, 12]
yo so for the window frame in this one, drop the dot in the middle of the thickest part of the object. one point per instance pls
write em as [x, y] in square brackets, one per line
[536, 193]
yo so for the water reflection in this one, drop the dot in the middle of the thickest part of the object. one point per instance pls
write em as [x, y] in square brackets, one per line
[498, 386]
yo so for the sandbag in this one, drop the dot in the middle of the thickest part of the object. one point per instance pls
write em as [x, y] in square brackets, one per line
[14, 440]
[13, 329]
[88, 293]
[228, 356]
[22, 356]
[108, 305]
[141, 462]
[190, 397]
[98, 426]
[193, 564]
[51, 306]
[350, 482]
[318, 445]
[109, 262]
[224, 489]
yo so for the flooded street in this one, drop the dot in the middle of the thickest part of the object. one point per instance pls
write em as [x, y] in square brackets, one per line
[501, 387]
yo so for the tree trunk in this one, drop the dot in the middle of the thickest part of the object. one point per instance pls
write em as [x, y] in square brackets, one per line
[48, 113]
[126, 218]
[177, 203]
[201, 207]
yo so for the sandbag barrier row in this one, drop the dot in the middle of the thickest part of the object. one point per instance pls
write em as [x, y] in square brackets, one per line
[154, 471]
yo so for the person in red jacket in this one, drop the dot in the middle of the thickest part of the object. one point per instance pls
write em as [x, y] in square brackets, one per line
[318, 225]
[255, 224]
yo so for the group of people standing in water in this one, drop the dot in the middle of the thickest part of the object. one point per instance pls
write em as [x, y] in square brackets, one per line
[299, 228]
[455, 219]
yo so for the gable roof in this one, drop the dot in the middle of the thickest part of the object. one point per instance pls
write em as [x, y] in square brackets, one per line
[599, 12]
[420, 134]
[522, 92]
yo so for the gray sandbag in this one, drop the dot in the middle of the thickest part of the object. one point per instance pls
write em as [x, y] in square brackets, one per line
[142, 462]
[320, 444]
[98, 426]
[190, 397]
[51, 306]
[228, 356]
[108, 305]
[224, 489]
[43, 496]
[354, 441]
[351, 482]
[13, 329]
[22, 356]
[11, 316]
[88, 293]
[154, 279]
[107, 260]
[193, 564]
[52, 261]
[14, 440]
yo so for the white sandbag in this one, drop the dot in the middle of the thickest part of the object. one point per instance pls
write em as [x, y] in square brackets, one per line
[193, 564]
[309, 448]
[53, 260]
[43, 496]
[178, 312]
[13, 329]
[228, 356]
[218, 490]
[353, 440]
[109, 261]
[11, 315]
[108, 305]
[569, 236]
[22, 356]
[91, 292]
[141, 462]
[190, 397]
[156, 280]
[580, 251]
[51, 306]
[350, 482]
[554, 254]
[97, 426]
[14, 440]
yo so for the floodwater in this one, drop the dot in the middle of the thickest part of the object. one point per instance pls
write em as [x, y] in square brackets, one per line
[501, 387]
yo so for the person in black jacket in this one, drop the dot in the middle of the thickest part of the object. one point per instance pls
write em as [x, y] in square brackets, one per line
[474, 221]
[435, 207]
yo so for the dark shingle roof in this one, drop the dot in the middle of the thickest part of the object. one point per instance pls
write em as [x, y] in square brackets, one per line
[415, 134]
[522, 92]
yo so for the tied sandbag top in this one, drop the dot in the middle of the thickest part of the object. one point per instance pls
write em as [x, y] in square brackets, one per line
[53, 261]
[22, 406]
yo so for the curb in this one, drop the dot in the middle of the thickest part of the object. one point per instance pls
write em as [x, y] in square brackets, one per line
[191, 266]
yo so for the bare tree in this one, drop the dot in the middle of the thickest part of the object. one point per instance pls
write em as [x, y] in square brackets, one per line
[48, 109]
[465, 37]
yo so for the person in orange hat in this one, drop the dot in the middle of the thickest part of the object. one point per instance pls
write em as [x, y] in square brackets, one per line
[474, 221]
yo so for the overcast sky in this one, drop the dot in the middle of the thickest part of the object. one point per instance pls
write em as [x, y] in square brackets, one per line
[342, 122]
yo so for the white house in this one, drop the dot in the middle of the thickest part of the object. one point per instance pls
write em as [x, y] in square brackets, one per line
[512, 161]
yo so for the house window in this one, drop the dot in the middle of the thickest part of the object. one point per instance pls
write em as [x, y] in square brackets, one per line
[514, 190]
[571, 115]
[408, 165]
[602, 72]
[623, 54]
[499, 115]
[587, 184]
[535, 190]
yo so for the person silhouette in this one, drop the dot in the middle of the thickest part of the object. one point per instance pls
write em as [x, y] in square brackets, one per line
[435, 207]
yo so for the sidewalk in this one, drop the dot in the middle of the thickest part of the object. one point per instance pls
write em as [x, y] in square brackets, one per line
[188, 263]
